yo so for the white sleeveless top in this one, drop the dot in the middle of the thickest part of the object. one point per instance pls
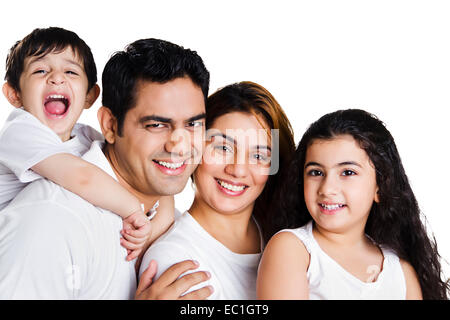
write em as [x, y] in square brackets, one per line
[330, 281]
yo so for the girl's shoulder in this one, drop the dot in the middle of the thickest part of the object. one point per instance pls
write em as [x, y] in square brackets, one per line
[413, 290]
[290, 244]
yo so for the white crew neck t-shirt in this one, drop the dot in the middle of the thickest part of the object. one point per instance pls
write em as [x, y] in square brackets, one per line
[25, 141]
[233, 275]
[328, 280]
[56, 245]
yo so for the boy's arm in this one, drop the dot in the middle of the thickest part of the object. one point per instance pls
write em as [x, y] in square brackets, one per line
[89, 182]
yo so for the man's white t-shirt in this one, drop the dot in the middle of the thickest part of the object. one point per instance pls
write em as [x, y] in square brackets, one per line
[233, 275]
[55, 245]
[25, 141]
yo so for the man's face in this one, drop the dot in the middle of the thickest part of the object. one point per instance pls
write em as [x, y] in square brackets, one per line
[162, 137]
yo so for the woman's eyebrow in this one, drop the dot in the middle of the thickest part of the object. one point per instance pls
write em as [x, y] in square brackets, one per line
[219, 134]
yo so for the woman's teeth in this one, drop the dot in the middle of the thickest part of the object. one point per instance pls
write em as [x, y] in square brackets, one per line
[230, 186]
[170, 165]
[331, 206]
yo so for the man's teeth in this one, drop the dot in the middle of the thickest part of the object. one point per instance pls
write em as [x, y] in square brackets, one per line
[230, 186]
[331, 206]
[170, 165]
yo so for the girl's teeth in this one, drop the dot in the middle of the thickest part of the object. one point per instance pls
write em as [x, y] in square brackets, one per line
[170, 165]
[331, 206]
[231, 187]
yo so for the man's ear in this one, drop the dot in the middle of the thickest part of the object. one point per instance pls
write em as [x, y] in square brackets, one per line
[12, 95]
[108, 124]
[92, 95]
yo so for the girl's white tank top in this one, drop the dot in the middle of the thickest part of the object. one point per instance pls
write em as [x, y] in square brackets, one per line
[329, 280]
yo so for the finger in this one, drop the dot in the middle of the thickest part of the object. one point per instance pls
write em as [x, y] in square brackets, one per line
[187, 281]
[200, 294]
[147, 277]
[129, 245]
[140, 233]
[133, 255]
[135, 240]
[175, 271]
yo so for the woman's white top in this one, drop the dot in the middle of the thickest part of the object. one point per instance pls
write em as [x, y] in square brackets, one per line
[329, 281]
[233, 275]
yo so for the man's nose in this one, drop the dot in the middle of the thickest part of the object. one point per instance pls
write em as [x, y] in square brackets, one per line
[179, 143]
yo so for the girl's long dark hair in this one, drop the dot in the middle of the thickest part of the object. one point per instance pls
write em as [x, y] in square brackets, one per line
[396, 221]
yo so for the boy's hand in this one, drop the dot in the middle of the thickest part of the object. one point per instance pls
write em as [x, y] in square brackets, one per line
[136, 232]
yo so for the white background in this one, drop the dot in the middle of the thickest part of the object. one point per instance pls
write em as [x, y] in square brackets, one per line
[391, 58]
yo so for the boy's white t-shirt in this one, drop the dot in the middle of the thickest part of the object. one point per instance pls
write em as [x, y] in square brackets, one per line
[233, 275]
[25, 141]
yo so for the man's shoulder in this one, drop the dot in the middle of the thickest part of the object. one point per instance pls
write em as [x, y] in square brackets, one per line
[45, 200]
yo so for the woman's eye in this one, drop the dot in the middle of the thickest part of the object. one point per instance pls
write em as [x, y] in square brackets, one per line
[348, 173]
[261, 158]
[224, 148]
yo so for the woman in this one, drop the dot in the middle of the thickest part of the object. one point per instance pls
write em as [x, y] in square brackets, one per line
[225, 226]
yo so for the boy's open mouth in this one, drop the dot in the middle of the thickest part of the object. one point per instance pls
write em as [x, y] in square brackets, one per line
[56, 104]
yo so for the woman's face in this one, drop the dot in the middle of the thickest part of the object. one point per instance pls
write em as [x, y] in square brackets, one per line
[236, 163]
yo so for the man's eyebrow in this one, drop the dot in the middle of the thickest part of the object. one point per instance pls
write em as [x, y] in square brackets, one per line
[340, 164]
[155, 118]
[197, 117]
[219, 134]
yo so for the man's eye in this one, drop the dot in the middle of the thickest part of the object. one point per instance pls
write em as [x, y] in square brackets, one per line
[154, 125]
[195, 124]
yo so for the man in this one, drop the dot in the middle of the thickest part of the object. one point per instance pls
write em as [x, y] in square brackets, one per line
[55, 245]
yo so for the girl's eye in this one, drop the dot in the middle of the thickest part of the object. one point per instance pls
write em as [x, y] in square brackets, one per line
[72, 73]
[315, 173]
[40, 71]
[348, 173]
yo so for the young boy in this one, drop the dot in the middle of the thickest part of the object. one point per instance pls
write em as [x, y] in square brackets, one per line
[50, 78]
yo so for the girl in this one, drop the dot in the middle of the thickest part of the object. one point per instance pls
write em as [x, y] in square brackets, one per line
[234, 185]
[357, 231]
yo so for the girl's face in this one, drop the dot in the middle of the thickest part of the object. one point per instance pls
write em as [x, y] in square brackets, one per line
[235, 164]
[339, 183]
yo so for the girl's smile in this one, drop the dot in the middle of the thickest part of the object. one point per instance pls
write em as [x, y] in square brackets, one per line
[339, 183]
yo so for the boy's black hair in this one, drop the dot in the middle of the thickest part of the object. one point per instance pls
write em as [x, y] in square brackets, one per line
[41, 42]
[151, 60]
